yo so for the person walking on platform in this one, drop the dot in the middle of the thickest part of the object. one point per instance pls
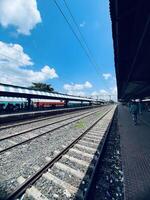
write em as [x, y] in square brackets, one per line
[140, 107]
[134, 109]
[129, 105]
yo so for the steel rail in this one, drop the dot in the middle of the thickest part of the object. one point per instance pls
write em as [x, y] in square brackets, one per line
[31, 180]
[41, 126]
[101, 150]
[45, 118]
[50, 131]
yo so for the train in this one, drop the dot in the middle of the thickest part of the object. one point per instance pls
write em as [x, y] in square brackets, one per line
[14, 104]
[39, 103]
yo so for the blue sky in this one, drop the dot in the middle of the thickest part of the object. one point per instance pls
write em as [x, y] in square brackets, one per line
[37, 45]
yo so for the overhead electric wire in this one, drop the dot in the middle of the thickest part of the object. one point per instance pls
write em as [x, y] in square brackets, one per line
[87, 50]
[74, 33]
[84, 40]
[82, 36]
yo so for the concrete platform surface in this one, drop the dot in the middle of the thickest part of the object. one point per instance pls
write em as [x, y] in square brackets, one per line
[135, 149]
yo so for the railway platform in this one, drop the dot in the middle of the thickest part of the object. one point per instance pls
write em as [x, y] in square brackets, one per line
[135, 149]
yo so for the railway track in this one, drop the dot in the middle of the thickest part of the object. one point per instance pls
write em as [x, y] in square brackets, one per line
[68, 175]
[27, 122]
[29, 135]
[35, 125]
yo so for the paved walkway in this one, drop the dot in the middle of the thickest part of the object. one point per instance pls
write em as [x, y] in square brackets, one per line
[135, 148]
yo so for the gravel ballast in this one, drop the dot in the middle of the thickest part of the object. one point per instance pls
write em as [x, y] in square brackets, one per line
[109, 180]
[21, 160]
[45, 121]
[33, 133]
[60, 190]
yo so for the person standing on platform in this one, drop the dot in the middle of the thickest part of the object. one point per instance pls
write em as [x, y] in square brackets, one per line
[134, 109]
[140, 107]
[129, 105]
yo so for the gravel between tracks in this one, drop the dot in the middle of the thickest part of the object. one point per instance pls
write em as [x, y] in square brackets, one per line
[52, 191]
[33, 133]
[109, 177]
[13, 130]
[21, 160]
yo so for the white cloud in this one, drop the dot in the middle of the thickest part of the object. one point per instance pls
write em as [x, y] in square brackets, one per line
[77, 89]
[22, 14]
[106, 76]
[82, 24]
[12, 55]
[50, 72]
[104, 94]
[14, 66]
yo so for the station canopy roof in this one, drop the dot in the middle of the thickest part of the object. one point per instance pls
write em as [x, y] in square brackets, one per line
[131, 37]
[22, 92]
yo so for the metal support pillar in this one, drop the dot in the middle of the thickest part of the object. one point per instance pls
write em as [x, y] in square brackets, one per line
[29, 103]
[90, 103]
[66, 103]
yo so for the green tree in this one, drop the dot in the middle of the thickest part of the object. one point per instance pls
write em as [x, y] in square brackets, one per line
[42, 86]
